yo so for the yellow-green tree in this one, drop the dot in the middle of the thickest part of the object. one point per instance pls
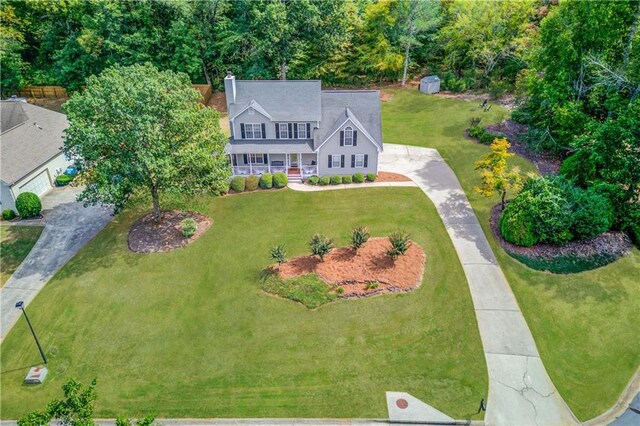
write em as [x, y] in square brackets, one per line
[495, 174]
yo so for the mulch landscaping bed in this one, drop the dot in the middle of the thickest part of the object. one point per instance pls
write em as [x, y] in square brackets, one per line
[355, 271]
[575, 256]
[513, 131]
[391, 177]
[146, 236]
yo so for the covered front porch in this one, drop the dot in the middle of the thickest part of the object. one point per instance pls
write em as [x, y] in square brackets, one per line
[293, 164]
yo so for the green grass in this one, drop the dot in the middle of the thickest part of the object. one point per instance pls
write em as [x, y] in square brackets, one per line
[15, 244]
[309, 289]
[586, 325]
[190, 333]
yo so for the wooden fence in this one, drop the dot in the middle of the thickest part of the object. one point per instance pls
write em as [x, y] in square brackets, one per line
[39, 92]
[59, 92]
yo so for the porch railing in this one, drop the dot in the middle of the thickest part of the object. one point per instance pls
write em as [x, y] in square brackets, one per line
[309, 170]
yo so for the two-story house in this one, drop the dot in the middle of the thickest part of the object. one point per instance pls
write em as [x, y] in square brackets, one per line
[295, 127]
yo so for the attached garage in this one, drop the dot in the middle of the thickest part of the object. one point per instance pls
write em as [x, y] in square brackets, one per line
[31, 150]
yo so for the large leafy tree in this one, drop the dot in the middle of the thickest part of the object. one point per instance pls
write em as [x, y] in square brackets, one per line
[140, 128]
[416, 17]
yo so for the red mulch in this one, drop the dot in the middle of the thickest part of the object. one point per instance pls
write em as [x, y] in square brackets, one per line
[370, 264]
[391, 177]
[146, 236]
[615, 242]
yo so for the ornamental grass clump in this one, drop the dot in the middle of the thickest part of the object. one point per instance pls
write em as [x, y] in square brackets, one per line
[320, 246]
[188, 227]
[359, 236]
[400, 243]
[278, 253]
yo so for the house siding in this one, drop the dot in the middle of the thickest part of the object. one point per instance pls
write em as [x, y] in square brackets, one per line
[332, 146]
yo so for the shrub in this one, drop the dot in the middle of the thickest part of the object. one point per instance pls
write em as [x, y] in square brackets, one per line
[278, 253]
[516, 224]
[549, 209]
[580, 168]
[188, 227]
[347, 179]
[475, 122]
[63, 180]
[320, 245]
[324, 180]
[336, 180]
[28, 204]
[280, 179]
[358, 178]
[266, 181]
[475, 131]
[485, 137]
[359, 236]
[238, 184]
[8, 214]
[340, 290]
[400, 243]
[313, 180]
[371, 286]
[252, 183]
[593, 214]
[371, 177]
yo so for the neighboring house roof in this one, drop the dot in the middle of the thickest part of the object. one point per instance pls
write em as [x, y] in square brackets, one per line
[256, 106]
[31, 136]
[269, 146]
[285, 100]
[362, 107]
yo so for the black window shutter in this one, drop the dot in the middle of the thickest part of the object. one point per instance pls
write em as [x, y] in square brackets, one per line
[246, 158]
[266, 158]
[342, 161]
[242, 129]
[234, 160]
[355, 138]
[308, 130]
[366, 160]
[330, 165]
[290, 131]
[353, 161]
[341, 138]
[295, 131]
[277, 130]
[264, 131]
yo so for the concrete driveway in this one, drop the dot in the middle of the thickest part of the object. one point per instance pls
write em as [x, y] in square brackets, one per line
[520, 391]
[68, 227]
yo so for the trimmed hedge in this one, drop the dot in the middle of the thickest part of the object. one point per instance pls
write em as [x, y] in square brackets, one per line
[8, 214]
[252, 183]
[371, 177]
[266, 181]
[313, 180]
[358, 178]
[280, 179]
[483, 136]
[347, 179]
[28, 204]
[238, 184]
[63, 180]
[324, 180]
[336, 180]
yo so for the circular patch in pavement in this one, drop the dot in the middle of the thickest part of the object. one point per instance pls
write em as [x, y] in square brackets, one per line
[402, 403]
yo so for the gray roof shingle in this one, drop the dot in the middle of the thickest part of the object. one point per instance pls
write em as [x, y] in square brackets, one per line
[285, 100]
[33, 135]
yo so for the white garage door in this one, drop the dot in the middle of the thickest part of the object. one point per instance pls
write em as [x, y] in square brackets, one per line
[38, 185]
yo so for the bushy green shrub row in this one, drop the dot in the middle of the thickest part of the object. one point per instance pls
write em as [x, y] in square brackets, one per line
[483, 136]
[337, 180]
[252, 182]
[553, 210]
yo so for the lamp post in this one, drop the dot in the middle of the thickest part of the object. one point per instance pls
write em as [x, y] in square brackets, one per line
[20, 305]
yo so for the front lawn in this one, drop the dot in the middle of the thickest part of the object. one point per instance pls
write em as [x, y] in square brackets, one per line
[586, 325]
[190, 333]
[15, 244]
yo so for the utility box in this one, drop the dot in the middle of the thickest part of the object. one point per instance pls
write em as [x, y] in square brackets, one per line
[430, 84]
[36, 375]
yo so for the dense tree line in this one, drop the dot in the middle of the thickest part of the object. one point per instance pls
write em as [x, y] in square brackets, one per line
[355, 42]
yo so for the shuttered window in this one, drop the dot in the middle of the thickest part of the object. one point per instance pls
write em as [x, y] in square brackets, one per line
[359, 161]
[284, 130]
[256, 158]
[302, 131]
[253, 131]
[348, 136]
[336, 161]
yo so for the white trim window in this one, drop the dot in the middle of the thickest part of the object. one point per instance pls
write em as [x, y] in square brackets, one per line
[253, 131]
[284, 130]
[348, 136]
[256, 158]
[359, 163]
[302, 131]
[336, 161]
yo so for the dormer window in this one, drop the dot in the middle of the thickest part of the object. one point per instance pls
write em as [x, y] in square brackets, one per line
[348, 136]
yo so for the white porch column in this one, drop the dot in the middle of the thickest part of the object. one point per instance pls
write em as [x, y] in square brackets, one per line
[250, 168]
[268, 163]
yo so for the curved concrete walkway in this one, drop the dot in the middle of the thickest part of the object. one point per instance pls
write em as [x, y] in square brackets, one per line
[520, 391]
[68, 227]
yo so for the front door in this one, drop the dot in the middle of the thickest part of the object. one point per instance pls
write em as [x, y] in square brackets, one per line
[293, 160]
